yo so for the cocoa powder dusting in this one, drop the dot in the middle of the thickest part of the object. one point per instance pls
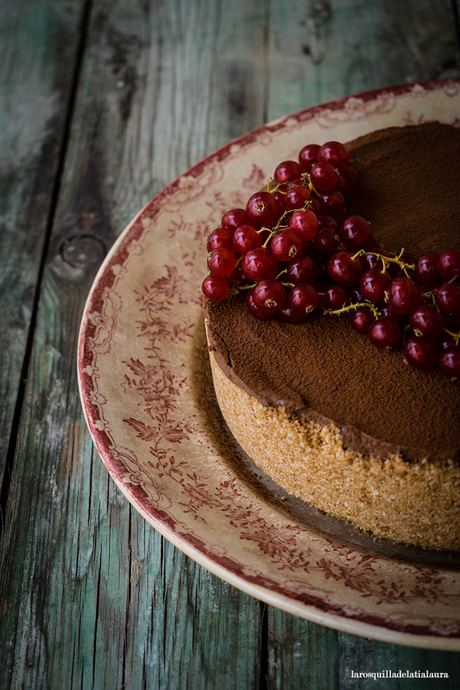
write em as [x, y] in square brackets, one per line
[322, 369]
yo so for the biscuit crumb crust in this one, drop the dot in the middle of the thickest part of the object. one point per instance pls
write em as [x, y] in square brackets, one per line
[410, 503]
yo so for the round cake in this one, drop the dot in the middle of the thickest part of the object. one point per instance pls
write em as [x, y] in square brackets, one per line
[352, 430]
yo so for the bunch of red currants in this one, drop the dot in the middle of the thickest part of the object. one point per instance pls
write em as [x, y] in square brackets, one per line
[290, 253]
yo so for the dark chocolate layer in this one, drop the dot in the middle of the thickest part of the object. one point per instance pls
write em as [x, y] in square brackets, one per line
[322, 369]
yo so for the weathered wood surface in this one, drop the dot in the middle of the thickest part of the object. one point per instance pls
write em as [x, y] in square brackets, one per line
[38, 45]
[91, 596]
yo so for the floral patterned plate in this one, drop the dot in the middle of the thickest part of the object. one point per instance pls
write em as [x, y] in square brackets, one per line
[148, 399]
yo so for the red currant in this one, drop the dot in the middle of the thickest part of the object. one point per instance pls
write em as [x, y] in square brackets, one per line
[222, 237]
[304, 224]
[335, 153]
[426, 321]
[426, 270]
[280, 202]
[301, 270]
[421, 353]
[327, 240]
[404, 295]
[371, 261]
[374, 285]
[262, 209]
[215, 288]
[246, 238]
[351, 177]
[221, 262]
[448, 298]
[334, 297]
[361, 320]
[287, 171]
[323, 177]
[285, 245]
[296, 197]
[257, 312]
[269, 295]
[356, 233]
[345, 269]
[384, 333]
[308, 156]
[303, 299]
[234, 218]
[449, 265]
[332, 204]
[259, 264]
[449, 362]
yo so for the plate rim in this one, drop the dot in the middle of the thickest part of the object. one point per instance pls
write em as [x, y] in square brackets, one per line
[307, 611]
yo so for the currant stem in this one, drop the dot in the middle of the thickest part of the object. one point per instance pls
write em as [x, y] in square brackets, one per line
[240, 288]
[455, 336]
[354, 306]
[390, 259]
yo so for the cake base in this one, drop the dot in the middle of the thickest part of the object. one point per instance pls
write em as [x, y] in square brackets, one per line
[408, 503]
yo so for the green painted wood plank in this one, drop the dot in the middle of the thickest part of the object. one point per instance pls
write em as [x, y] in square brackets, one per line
[92, 596]
[305, 655]
[321, 50]
[37, 51]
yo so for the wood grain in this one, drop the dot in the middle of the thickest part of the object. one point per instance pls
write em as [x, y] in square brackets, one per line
[38, 43]
[92, 597]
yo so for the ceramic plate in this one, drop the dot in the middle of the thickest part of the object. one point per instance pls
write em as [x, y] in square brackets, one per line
[148, 398]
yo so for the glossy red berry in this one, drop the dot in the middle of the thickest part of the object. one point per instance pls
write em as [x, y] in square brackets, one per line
[404, 295]
[302, 269]
[286, 245]
[420, 353]
[374, 285]
[259, 264]
[257, 312]
[234, 218]
[323, 177]
[384, 333]
[246, 238]
[303, 299]
[345, 268]
[221, 262]
[308, 156]
[334, 297]
[426, 321]
[304, 224]
[449, 265]
[449, 362]
[296, 197]
[448, 298]
[361, 320]
[261, 210]
[215, 288]
[221, 237]
[335, 153]
[426, 270]
[356, 233]
[269, 295]
[327, 241]
[351, 177]
[287, 171]
[332, 204]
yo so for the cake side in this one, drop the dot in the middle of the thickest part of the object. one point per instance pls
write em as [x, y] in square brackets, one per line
[409, 503]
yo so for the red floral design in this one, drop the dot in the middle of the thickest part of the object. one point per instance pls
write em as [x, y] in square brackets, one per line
[156, 384]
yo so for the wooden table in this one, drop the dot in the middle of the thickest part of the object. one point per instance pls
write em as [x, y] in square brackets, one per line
[103, 103]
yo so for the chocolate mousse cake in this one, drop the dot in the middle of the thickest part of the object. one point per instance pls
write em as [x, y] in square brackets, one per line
[350, 429]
